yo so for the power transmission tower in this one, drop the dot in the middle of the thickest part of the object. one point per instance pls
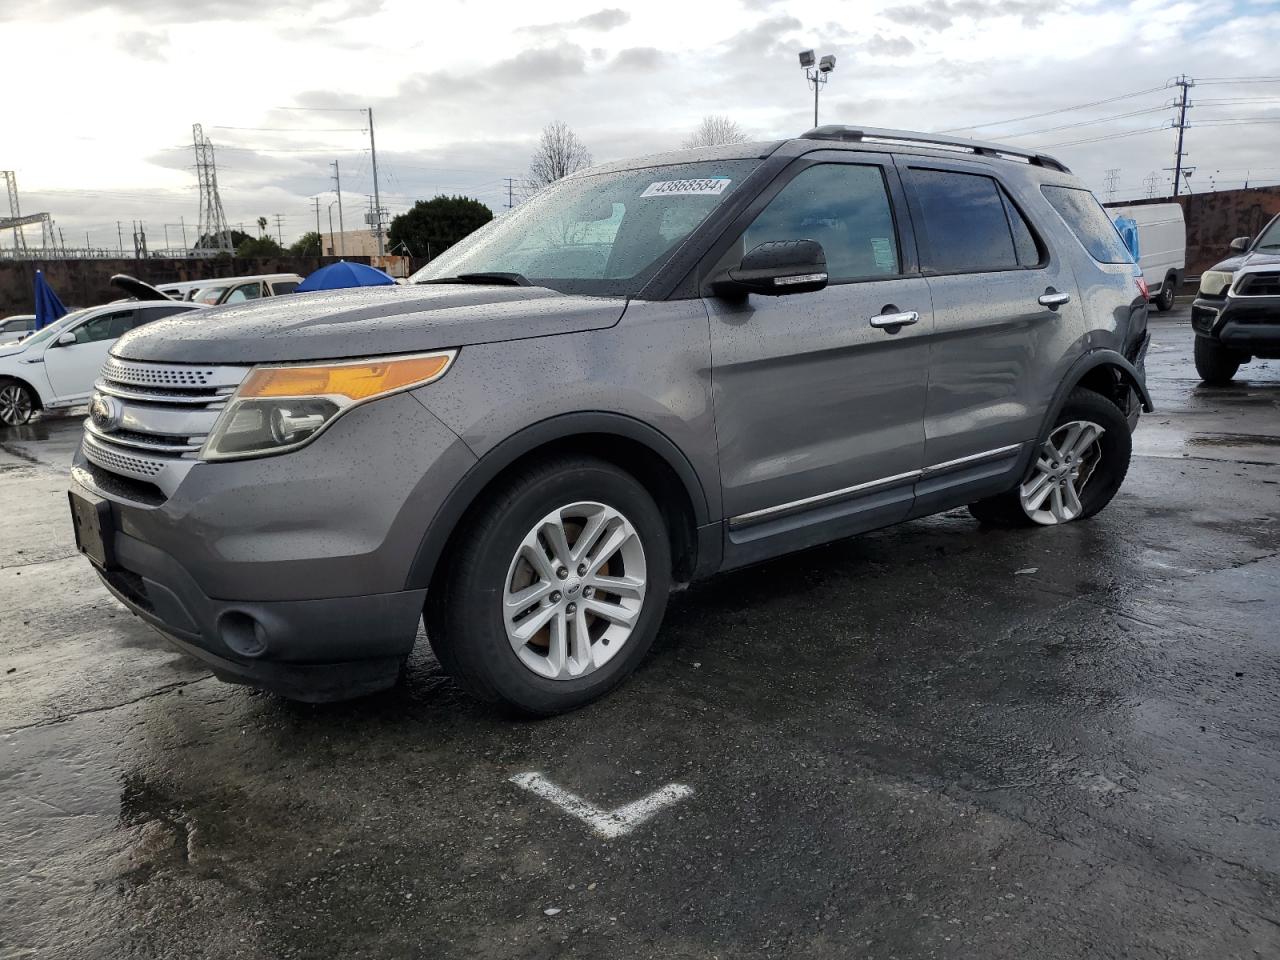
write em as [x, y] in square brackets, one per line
[212, 235]
[1149, 182]
[1113, 177]
[511, 182]
[1186, 83]
[342, 230]
[280, 228]
[11, 182]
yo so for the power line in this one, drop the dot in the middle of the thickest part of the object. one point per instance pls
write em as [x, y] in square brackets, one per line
[1086, 123]
[1109, 136]
[1049, 113]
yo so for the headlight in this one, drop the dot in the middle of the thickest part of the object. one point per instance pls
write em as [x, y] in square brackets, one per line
[1213, 282]
[277, 409]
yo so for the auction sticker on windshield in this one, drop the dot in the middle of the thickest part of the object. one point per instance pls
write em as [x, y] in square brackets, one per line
[704, 187]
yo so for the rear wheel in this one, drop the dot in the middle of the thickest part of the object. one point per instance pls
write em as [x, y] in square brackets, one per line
[1215, 363]
[1168, 291]
[555, 590]
[1078, 468]
[17, 403]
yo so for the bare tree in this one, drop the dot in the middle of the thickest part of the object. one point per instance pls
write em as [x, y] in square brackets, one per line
[714, 130]
[559, 154]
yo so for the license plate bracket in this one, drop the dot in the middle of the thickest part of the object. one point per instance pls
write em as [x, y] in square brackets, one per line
[91, 516]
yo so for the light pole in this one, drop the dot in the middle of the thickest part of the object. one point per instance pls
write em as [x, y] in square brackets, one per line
[816, 76]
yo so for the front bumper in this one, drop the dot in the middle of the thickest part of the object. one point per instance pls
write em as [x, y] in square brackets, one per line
[290, 573]
[1248, 324]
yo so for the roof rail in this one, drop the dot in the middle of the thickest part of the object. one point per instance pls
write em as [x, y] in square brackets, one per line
[845, 134]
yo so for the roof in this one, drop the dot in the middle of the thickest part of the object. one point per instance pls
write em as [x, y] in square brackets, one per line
[846, 134]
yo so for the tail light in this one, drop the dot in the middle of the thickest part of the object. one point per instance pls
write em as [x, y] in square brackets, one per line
[1143, 288]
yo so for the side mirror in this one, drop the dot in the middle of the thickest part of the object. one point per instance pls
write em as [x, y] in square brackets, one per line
[777, 268]
[64, 339]
[1240, 244]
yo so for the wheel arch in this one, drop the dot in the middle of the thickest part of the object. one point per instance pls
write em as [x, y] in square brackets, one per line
[643, 451]
[1102, 371]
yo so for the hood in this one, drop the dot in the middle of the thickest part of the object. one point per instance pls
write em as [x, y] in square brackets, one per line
[365, 321]
[11, 347]
[1255, 259]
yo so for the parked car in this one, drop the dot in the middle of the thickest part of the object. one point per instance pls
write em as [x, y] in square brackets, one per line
[1162, 247]
[651, 371]
[241, 289]
[16, 327]
[55, 367]
[183, 290]
[1236, 316]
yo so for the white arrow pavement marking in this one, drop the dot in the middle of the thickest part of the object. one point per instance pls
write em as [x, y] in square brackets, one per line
[607, 823]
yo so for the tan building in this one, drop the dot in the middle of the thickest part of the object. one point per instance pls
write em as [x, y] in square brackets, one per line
[352, 243]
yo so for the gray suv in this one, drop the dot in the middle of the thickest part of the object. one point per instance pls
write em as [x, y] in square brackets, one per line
[651, 371]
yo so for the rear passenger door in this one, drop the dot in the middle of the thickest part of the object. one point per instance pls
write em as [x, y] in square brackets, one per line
[819, 412]
[1003, 302]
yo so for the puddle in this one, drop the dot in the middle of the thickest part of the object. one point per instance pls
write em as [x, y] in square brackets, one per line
[1233, 440]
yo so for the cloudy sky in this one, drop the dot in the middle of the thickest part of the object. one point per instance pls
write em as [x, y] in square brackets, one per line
[100, 97]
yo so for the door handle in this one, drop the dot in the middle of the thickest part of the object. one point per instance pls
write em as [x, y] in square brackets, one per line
[880, 321]
[1053, 300]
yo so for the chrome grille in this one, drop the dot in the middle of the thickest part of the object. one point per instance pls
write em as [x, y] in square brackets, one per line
[162, 414]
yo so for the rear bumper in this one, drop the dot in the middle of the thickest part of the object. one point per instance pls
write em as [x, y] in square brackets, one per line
[311, 650]
[1248, 324]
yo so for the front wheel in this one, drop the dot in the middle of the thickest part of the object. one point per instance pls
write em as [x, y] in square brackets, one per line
[1077, 470]
[1216, 364]
[554, 590]
[17, 404]
[1168, 291]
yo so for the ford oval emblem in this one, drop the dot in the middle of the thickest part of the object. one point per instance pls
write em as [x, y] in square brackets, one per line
[106, 413]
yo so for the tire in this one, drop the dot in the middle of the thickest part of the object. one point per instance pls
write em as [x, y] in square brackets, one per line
[491, 560]
[17, 403]
[1168, 291]
[1095, 471]
[1216, 364]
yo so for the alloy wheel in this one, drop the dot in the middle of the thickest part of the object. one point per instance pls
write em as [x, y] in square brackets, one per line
[574, 590]
[1064, 464]
[15, 405]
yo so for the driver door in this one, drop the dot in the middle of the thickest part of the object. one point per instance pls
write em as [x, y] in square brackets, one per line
[819, 411]
[72, 368]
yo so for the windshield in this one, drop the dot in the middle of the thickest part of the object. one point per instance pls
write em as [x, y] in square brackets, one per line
[1269, 239]
[52, 330]
[603, 235]
[209, 295]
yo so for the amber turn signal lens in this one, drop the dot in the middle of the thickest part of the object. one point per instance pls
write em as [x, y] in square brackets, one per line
[355, 381]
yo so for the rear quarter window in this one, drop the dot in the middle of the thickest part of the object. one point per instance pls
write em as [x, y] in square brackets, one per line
[1082, 212]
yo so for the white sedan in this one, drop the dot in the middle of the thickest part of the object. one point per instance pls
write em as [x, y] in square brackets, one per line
[57, 366]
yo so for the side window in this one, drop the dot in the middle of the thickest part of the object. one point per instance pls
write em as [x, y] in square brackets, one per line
[1024, 241]
[284, 286]
[1089, 222]
[964, 222]
[246, 291]
[106, 327]
[147, 315]
[845, 207]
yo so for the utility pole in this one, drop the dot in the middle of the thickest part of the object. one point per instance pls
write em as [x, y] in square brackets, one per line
[1113, 176]
[510, 188]
[319, 237]
[342, 230]
[182, 221]
[279, 229]
[166, 238]
[1186, 83]
[377, 196]
[120, 238]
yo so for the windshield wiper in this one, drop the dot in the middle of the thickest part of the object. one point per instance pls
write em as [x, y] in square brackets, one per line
[495, 279]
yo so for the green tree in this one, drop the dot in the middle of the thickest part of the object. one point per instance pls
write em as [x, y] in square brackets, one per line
[262, 226]
[237, 237]
[307, 245]
[431, 226]
[256, 247]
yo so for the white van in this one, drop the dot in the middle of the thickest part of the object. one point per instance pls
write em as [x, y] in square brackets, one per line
[1162, 247]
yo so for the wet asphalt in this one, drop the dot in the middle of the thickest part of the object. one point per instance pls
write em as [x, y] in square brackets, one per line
[934, 741]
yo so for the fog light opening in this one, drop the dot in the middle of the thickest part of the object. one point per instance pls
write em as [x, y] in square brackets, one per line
[242, 634]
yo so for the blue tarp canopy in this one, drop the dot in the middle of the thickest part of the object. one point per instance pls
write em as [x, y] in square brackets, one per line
[48, 307]
[344, 274]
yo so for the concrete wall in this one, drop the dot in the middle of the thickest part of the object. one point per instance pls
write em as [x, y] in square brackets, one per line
[85, 283]
[1215, 219]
